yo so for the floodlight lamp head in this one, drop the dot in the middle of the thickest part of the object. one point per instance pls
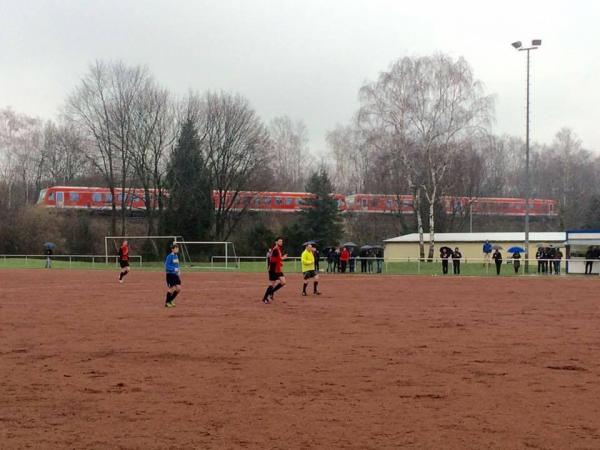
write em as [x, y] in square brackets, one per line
[536, 42]
[517, 44]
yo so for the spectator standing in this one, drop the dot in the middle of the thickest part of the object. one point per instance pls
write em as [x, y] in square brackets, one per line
[487, 252]
[48, 252]
[351, 261]
[539, 255]
[516, 261]
[456, 257]
[317, 257]
[336, 260]
[344, 258]
[557, 257]
[589, 263]
[330, 260]
[497, 256]
[379, 254]
[445, 255]
[549, 260]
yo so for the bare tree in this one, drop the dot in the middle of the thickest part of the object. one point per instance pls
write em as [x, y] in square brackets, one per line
[63, 153]
[431, 106]
[154, 125]
[21, 157]
[102, 107]
[235, 146]
[290, 158]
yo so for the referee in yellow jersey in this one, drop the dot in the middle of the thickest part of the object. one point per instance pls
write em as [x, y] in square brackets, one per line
[308, 269]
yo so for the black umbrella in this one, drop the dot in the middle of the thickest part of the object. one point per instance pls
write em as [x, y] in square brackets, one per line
[448, 250]
[349, 244]
[366, 247]
[378, 247]
[313, 243]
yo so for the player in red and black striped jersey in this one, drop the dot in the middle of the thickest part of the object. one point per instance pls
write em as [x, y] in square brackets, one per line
[276, 277]
[123, 260]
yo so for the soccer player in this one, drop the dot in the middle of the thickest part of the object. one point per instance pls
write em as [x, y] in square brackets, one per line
[309, 270]
[173, 280]
[276, 277]
[124, 260]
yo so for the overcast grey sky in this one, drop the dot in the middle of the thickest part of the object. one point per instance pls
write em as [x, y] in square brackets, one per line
[308, 58]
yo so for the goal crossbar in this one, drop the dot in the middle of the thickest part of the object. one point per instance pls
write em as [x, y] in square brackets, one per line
[225, 244]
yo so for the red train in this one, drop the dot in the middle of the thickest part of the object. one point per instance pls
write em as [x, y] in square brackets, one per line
[100, 199]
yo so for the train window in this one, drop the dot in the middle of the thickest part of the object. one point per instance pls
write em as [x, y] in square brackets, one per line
[408, 202]
[51, 196]
[364, 202]
[108, 197]
[374, 202]
[96, 197]
[289, 201]
[388, 203]
[278, 201]
[300, 201]
[267, 200]
[74, 196]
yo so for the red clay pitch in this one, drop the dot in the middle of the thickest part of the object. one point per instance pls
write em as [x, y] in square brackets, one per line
[376, 362]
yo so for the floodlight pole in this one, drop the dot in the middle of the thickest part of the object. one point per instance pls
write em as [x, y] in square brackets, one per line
[535, 45]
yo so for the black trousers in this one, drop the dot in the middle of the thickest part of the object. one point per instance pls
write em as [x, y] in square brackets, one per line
[498, 267]
[456, 266]
[444, 266]
[343, 266]
[588, 266]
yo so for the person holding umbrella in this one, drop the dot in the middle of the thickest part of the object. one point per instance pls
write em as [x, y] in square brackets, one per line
[516, 257]
[445, 253]
[48, 251]
[456, 256]
[497, 257]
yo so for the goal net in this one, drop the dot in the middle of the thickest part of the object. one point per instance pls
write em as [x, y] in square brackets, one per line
[151, 248]
[208, 255]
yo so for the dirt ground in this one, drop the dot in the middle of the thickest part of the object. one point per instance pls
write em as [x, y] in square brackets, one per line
[377, 362]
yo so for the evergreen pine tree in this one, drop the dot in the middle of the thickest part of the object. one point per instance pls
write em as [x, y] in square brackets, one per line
[321, 220]
[190, 207]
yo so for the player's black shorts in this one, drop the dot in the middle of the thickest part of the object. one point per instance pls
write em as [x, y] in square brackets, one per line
[124, 263]
[173, 280]
[310, 274]
[274, 276]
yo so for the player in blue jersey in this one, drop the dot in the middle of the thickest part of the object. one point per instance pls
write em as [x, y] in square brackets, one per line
[173, 280]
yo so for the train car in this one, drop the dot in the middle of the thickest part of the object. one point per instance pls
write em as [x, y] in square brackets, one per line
[77, 197]
[93, 198]
[380, 203]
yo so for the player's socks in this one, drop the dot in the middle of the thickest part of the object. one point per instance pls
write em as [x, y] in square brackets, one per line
[121, 276]
[315, 287]
[169, 297]
[276, 288]
[268, 292]
[304, 288]
[173, 295]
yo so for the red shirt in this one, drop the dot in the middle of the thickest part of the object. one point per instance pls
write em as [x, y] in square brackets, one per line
[124, 253]
[345, 255]
[276, 260]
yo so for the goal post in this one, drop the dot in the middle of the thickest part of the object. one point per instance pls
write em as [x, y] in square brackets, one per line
[152, 248]
[211, 255]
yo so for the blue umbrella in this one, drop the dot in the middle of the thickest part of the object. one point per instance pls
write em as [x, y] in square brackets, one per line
[49, 245]
[516, 250]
